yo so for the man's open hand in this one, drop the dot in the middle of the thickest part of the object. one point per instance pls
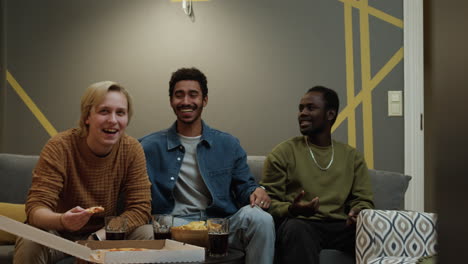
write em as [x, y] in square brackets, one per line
[352, 216]
[304, 208]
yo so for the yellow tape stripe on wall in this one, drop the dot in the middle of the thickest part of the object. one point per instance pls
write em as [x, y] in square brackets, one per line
[375, 12]
[387, 68]
[31, 105]
[368, 83]
[368, 135]
[349, 109]
[348, 23]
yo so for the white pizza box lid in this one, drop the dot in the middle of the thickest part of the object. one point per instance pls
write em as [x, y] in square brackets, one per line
[160, 251]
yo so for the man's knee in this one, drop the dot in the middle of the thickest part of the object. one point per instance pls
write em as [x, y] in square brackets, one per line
[257, 217]
[144, 232]
[292, 227]
[27, 251]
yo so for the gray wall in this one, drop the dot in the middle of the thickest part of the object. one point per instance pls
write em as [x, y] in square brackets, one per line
[260, 56]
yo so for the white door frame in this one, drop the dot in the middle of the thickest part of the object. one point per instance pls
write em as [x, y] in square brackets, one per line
[414, 102]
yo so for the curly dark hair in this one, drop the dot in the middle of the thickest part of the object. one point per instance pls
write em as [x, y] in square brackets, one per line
[188, 74]
[331, 98]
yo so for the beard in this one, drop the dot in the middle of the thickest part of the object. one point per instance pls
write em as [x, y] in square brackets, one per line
[196, 110]
[312, 130]
[317, 124]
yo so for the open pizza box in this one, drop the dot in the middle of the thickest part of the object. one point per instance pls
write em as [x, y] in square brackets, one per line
[159, 251]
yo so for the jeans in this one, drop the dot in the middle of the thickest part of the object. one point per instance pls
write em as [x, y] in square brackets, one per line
[250, 229]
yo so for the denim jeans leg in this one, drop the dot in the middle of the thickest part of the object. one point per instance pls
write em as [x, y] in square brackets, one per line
[253, 231]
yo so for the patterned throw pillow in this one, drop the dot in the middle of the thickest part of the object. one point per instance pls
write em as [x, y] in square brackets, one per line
[394, 260]
[386, 233]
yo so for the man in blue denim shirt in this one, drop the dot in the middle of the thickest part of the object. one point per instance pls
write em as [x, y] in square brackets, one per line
[198, 172]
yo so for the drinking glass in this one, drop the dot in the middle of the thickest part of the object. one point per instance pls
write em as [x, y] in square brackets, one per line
[162, 224]
[116, 227]
[218, 233]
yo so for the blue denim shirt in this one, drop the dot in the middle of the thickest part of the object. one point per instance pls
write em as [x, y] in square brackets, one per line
[222, 163]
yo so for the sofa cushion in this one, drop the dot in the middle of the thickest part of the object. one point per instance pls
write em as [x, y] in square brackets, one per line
[389, 189]
[13, 211]
[15, 176]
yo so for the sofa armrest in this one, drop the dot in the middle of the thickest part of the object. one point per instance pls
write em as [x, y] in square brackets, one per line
[15, 176]
[382, 233]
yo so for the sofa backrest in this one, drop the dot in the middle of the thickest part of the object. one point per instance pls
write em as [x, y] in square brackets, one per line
[389, 187]
[15, 176]
[16, 173]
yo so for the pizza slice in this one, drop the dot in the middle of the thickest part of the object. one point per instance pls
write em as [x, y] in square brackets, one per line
[95, 209]
[98, 256]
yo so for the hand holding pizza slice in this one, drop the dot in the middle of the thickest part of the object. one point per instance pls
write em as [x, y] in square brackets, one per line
[95, 209]
[77, 217]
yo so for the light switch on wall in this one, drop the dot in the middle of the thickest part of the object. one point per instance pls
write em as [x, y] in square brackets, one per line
[395, 103]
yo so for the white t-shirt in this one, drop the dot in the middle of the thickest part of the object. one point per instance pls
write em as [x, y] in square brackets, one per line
[190, 193]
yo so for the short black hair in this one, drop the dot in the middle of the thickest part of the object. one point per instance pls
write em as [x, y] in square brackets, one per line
[189, 74]
[330, 96]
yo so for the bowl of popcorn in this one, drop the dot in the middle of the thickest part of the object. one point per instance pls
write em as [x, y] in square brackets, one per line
[194, 233]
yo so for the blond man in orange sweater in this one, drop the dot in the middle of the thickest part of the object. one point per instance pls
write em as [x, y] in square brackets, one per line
[88, 166]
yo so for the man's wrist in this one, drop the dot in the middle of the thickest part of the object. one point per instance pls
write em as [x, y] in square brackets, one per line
[62, 225]
[258, 186]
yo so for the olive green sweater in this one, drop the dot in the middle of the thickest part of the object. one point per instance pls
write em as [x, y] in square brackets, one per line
[289, 168]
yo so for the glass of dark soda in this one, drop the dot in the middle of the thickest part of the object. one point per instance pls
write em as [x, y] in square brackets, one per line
[218, 233]
[162, 224]
[116, 227]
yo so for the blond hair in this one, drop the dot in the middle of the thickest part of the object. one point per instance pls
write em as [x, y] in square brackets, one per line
[94, 95]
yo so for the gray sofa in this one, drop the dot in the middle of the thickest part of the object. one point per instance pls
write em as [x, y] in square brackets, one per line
[15, 179]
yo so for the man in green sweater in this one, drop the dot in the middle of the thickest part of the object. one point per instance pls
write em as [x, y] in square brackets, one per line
[317, 185]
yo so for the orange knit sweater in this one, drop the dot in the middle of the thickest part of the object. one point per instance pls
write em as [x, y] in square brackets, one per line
[68, 174]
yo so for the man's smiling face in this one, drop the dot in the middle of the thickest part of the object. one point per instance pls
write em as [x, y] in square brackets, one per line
[107, 122]
[313, 117]
[187, 101]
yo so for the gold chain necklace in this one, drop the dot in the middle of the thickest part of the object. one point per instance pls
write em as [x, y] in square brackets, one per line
[313, 157]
